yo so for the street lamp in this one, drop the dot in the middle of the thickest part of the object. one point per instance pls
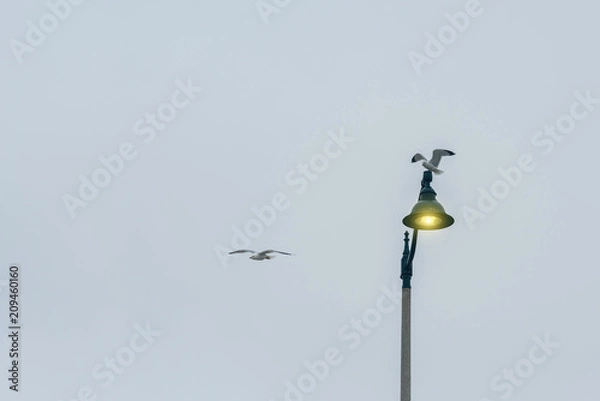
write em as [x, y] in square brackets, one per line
[427, 214]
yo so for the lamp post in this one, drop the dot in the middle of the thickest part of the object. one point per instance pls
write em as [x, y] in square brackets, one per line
[427, 214]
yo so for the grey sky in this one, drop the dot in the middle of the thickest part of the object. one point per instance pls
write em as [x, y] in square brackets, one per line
[272, 95]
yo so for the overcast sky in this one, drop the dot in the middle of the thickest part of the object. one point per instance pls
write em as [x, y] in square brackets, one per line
[141, 139]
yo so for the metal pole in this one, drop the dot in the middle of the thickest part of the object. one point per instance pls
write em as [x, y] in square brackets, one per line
[405, 347]
[407, 257]
[407, 271]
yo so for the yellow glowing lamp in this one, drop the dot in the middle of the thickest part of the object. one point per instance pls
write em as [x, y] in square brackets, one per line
[428, 213]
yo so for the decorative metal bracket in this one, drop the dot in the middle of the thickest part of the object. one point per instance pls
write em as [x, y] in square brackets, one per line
[408, 255]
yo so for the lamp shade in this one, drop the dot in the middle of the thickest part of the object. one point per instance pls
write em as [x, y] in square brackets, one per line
[428, 215]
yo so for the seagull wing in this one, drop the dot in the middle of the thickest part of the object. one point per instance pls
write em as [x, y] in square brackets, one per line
[242, 251]
[437, 156]
[417, 157]
[274, 251]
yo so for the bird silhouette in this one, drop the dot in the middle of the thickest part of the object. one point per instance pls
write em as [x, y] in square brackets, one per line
[434, 162]
[260, 255]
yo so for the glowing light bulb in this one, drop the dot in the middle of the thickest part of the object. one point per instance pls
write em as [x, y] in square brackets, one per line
[428, 221]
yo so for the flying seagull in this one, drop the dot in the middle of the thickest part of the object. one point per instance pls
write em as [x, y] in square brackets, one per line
[260, 255]
[432, 165]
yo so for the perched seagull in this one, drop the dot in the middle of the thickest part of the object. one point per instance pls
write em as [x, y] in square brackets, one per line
[260, 255]
[432, 165]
